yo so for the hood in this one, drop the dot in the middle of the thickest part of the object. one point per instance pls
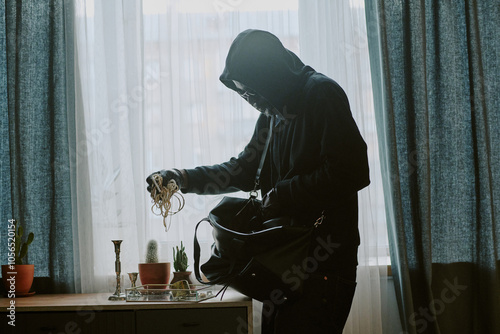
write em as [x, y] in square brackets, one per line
[258, 60]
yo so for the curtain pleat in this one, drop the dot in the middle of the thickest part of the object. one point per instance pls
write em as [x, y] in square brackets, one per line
[5, 186]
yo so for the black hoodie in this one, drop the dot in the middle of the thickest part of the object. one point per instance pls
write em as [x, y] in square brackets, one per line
[317, 159]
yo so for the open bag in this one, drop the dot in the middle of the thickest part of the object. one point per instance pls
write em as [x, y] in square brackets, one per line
[256, 262]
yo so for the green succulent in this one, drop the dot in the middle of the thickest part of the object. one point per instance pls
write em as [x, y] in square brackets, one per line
[21, 249]
[180, 258]
[152, 252]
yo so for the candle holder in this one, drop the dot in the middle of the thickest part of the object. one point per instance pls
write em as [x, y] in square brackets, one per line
[118, 295]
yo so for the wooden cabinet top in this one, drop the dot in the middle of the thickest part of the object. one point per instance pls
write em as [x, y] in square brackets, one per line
[99, 301]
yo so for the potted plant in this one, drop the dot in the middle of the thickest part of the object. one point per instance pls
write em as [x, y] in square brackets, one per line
[152, 271]
[180, 265]
[17, 277]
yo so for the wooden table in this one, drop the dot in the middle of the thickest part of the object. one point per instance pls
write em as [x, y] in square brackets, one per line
[94, 313]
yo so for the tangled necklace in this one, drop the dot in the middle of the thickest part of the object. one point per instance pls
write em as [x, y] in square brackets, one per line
[162, 198]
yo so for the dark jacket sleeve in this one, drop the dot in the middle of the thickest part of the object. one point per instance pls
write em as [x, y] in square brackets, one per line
[343, 163]
[234, 175]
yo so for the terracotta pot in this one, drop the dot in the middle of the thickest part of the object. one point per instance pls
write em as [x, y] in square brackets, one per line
[154, 273]
[181, 276]
[18, 278]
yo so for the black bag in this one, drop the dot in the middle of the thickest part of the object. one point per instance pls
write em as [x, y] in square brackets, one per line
[257, 262]
[253, 256]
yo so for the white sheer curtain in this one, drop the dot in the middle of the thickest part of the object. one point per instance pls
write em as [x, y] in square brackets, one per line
[333, 40]
[148, 98]
[110, 203]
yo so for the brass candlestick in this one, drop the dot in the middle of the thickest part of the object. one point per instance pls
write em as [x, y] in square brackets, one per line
[117, 295]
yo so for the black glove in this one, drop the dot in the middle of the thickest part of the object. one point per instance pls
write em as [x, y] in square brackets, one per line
[167, 175]
[271, 208]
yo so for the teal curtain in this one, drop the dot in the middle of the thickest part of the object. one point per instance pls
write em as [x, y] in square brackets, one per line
[435, 69]
[5, 205]
[36, 135]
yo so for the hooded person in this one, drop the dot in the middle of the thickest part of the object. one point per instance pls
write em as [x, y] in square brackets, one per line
[316, 163]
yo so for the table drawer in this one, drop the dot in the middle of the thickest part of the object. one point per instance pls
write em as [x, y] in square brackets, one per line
[187, 321]
[97, 322]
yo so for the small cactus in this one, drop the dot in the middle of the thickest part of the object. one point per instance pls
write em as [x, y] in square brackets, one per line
[180, 258]
[21, 249]
[152, 252]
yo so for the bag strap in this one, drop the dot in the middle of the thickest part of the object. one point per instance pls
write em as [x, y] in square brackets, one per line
[253, 193]
[197, 252]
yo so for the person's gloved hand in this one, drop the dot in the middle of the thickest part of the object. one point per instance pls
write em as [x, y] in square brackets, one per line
[271, 208]
[167, 175]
